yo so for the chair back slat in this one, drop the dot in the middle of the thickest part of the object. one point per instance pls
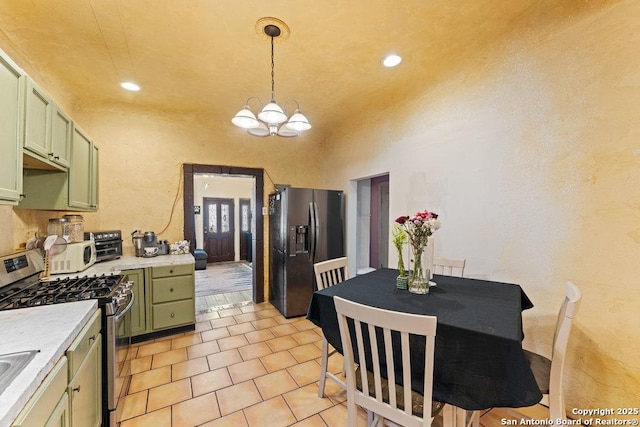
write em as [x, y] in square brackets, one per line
[448, 267]
[331, 272]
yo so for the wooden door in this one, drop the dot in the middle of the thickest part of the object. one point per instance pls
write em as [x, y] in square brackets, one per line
[219, 229]
[245, 229]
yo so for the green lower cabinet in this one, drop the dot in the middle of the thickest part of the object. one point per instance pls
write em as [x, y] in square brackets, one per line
[85, 389]
[60, 415]
[173, 314]
[164, 298]
[139, 309]
[44, 406]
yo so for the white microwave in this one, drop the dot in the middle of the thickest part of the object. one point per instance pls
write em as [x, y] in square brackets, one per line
[76, 257]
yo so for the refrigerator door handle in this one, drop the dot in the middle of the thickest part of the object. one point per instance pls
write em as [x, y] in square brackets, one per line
[312, 232]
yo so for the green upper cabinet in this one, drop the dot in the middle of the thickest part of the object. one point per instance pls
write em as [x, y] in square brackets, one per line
[83, 172]
[47, 130]
[61, 131]
[11, 119]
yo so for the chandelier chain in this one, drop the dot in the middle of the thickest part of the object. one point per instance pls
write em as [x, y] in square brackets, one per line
[273, 92]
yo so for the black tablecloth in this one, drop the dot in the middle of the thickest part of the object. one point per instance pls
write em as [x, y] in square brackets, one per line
[479, 362]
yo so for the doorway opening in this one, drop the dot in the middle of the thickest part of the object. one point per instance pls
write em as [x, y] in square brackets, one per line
[372, 230]
[247, 228]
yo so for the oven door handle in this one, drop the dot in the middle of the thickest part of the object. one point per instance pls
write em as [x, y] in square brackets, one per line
[126, 309]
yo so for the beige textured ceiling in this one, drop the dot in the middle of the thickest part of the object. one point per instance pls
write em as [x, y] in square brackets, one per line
[205, 57]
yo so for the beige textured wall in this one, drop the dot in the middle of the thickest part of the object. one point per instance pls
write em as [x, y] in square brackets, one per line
[530, 154]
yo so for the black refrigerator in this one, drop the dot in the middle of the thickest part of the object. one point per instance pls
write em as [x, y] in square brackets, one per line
[305, 226]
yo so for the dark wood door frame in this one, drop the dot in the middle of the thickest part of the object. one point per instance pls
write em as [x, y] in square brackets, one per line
[189, 170]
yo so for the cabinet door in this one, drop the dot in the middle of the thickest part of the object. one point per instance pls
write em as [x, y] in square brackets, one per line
[60, 415]
[61, 131]
[85, 389]
[94, 174]
[45, 401]
[138, 311]
[79, 170]
[11, 117]
[37, 121]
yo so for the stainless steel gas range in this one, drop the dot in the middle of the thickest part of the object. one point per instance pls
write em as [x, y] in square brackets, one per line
[20, 287]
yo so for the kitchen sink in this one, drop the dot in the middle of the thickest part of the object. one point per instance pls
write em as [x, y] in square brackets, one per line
[11, 364]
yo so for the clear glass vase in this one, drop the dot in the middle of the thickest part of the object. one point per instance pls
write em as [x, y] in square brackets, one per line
[419, 278]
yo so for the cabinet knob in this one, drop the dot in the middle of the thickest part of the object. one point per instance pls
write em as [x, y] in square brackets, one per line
[171, 271]
[92, 338]
[56, 157]
[173, 315]
[170, 289]
[49, 154]
[23, 196]
[76, 389]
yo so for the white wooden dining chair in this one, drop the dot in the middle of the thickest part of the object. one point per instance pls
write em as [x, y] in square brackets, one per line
[384, 398]
[448, 266]
[329, 273]
[548, 372]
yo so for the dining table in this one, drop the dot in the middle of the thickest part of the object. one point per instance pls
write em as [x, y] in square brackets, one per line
[479, 362]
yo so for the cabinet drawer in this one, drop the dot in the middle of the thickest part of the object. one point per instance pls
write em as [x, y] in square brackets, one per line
[172, 270]
[83, 342]
[172, 289]
[45, 400]
[174, 314]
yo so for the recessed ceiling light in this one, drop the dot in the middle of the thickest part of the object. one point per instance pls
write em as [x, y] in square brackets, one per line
[391, 60]
[130, 86]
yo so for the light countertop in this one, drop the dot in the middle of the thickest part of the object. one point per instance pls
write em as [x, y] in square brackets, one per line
[50, 329]
[129, 262]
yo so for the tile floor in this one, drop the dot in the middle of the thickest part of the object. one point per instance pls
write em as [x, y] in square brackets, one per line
[242, 366]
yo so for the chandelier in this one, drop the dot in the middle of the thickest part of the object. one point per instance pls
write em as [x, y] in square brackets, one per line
[272, 119]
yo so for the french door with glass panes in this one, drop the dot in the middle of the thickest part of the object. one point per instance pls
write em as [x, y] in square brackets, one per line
[218, 229]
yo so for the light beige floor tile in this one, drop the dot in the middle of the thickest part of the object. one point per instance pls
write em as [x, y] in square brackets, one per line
[195, 411]
[335, 391]
[274, 384]
[161, 418]
[150, 379]
[204, 349]
[229, 312]
[304, 325]
[133, 405]
[253, 351]
[224, 359]
[246, 317]
[306, 337]
[232, 342]
[274, 410]
[238, 397]
[205, 325]
[169, 358]
[264, 323]
[259, 336]
[223, 321]
[276, 361]
[168, 394]
[282, 320]
[283, 330]
[268, 312]
[305, 352]
[215, 334]
[305, 373]
[305, 402]
[189, 368]
[153, 348]
[186, 341]
[236, 419]
[336, 416]
[210, 381]
[141, 364]
[281, 343]
[241, 372]
[240, 328]
[314, 421]
[207, 316]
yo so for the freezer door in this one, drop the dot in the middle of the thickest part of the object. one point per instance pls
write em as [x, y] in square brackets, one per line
[298, 270]
[329, 233]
